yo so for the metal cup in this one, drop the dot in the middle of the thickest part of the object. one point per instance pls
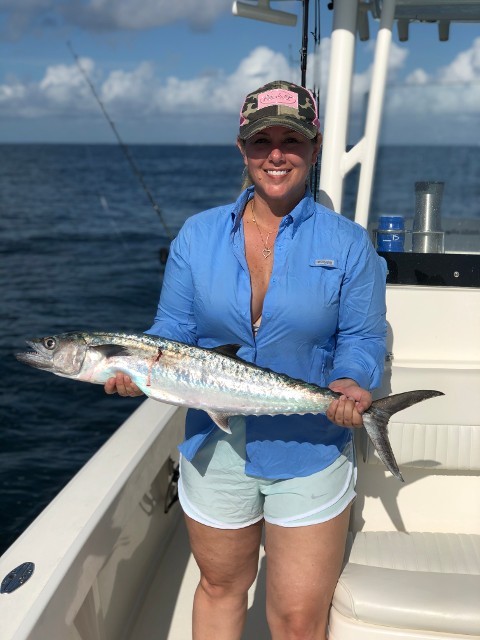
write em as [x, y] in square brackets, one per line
[427, 234]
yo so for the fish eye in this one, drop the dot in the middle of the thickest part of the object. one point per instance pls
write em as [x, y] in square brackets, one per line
[49, 343]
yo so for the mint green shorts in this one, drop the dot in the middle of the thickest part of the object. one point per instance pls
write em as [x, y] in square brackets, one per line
[214, 490]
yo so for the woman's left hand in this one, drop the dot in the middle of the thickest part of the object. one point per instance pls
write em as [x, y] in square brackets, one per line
[347, 410]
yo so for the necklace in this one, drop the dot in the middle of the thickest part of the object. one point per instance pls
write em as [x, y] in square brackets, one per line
[267, 251]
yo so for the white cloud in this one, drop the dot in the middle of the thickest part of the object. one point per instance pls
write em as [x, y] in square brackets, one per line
[396, 62]
[215, 98]
[220, 93]
[137, 93]
[64, 84]
[464, 68]
[62, 91]
[108, 15]
[12, 93]
[317, 66]
[262, 65]
[418, 76]
[129, 92]
[397, 59]
[434, 94]
[131, 14]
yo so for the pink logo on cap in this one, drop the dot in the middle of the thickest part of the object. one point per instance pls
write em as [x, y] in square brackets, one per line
[277, 97]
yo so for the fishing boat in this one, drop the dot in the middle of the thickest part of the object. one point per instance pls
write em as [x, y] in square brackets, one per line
[108, 559]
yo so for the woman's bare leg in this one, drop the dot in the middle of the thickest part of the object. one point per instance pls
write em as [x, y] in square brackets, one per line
[303, 566]
[228, 562]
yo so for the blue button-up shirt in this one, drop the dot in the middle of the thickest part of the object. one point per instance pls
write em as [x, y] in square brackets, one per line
[323, 318]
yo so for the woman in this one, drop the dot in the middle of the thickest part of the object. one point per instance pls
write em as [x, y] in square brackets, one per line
[301, 289]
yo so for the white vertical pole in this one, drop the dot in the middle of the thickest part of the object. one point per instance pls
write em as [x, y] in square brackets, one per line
[338, 102]
[374, 112]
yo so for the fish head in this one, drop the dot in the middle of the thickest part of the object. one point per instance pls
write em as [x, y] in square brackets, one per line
[63, 354]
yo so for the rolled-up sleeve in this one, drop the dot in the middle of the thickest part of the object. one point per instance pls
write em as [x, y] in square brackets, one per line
[175, 318]
[360, 343]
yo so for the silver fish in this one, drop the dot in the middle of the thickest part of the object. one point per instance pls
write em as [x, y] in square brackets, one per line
[214, 380]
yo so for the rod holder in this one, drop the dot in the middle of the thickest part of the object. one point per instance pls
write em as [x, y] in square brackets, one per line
[427, 234]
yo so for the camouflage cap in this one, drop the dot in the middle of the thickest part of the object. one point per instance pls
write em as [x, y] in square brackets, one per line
[279, 103]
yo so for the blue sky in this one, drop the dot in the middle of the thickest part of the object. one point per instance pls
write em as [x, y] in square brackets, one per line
[177, 72]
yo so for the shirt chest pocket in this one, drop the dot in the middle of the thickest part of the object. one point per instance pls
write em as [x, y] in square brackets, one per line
[325, 279]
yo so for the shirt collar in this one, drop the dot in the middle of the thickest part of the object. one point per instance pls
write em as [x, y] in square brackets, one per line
[304, 209]
[239, 207]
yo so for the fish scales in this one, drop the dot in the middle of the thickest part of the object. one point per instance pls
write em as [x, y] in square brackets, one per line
[224, 384]
[211, 379]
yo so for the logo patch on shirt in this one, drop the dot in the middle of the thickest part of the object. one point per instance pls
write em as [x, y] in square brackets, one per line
[324, 262]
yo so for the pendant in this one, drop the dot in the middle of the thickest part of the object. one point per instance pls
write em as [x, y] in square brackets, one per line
[266, 252]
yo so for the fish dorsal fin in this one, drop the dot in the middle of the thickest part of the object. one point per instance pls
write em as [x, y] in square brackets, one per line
[229, 350]
[221, 420]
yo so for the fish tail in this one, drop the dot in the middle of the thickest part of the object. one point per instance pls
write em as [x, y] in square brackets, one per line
[399, 401]
[377, 417]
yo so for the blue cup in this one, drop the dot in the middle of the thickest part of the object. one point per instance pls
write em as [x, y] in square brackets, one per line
[391, 233]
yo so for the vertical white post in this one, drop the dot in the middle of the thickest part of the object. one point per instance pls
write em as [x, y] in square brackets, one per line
[338, 102]
[374, 112]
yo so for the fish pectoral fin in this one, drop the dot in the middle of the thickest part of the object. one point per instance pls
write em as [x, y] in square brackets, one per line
[113, 350]
[229, 350]
[221, 420]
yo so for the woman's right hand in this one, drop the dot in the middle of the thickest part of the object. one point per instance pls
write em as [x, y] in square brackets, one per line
[123, 385]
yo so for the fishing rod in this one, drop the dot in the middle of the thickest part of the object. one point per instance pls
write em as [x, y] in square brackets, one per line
[123, 146]
[316, 33]
[315, 171]
[304, 49]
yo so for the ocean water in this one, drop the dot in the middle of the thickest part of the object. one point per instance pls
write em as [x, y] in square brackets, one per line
[80, 248]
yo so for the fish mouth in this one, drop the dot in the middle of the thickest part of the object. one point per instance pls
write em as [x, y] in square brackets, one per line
[35, 358]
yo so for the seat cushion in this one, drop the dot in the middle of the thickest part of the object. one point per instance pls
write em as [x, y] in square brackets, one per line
[423, 581]
[431, 446]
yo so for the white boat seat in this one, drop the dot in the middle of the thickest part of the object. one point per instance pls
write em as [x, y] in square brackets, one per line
[424, 581]
[431, 446]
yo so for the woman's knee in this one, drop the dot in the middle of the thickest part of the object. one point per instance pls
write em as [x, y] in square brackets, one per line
[297, 623]
[219, 587]
[227, 559]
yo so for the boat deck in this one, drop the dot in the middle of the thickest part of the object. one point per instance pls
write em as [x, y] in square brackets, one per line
[172, 620]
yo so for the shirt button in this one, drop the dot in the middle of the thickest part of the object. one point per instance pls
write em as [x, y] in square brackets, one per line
[268, 314]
